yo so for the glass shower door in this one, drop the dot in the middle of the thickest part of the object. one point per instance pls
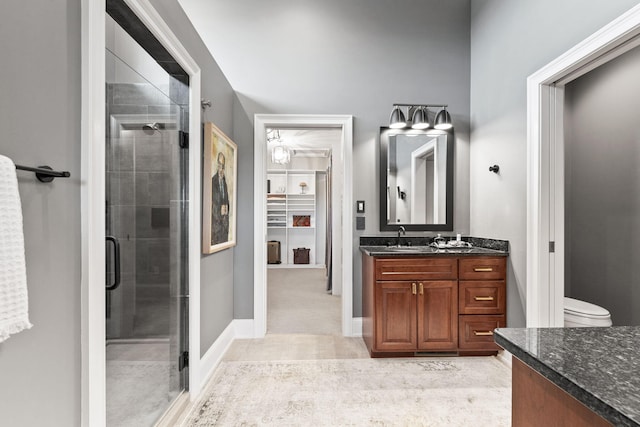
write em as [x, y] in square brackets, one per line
[146, 248]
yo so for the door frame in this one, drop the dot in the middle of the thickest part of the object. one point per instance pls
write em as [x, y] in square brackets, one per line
[545, 162]
[93, 335]
[342, 254]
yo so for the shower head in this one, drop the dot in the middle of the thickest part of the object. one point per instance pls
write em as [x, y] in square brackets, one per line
[150, 128]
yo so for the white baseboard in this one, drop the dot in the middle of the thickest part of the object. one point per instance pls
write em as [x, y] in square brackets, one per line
[211, 359]
[175, 414]
[356, 327]
[244, 328]
[505, 357]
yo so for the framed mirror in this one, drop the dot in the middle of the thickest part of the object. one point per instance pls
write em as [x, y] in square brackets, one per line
[416, 179]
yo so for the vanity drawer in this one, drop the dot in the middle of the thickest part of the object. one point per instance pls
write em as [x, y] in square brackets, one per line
[483, 268]
[416, 268]
[476, 332]
[482, 297]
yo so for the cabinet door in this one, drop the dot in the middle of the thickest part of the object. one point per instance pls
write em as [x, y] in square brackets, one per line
[438, 315]
[395, 316]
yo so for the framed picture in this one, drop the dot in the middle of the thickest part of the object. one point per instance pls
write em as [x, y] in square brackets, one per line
[219, 188]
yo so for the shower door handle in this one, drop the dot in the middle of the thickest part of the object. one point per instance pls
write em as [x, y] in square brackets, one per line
[116, 264]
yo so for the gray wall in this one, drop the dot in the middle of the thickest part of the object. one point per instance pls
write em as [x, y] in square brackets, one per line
[216, 282]
[335, 57]
[602, 198]
[40, 122]
[243, 262]
[509, 41]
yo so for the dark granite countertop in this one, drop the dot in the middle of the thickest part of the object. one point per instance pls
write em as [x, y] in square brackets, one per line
[387, 246]
[600, 367]
[427, 251]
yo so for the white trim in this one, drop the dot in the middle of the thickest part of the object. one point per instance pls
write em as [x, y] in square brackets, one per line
[212, 358]
[93, 407]
[243, 328]
[345, 256]
[176, 411]
[92, 164]
[505, 357]
[545, 166]
[356, 327]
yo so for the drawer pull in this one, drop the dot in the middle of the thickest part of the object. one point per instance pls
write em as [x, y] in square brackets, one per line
[413, 288]
[483, 298]
[483, 333]
[483, 269]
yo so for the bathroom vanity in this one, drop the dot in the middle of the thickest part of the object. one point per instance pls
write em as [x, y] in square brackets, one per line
[574, 376]
[419, 299]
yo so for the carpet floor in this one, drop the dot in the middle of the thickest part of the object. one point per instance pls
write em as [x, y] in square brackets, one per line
[298, 303]
[421, 391]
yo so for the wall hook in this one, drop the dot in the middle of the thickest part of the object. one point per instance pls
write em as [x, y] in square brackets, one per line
[205, 103]
[494, 168]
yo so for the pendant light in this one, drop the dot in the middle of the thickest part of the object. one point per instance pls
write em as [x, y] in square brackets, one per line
[280, 153]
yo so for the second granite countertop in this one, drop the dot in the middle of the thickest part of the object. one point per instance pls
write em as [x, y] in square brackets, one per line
[597, 366]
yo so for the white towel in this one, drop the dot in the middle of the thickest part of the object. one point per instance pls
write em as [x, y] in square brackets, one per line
[14, 303]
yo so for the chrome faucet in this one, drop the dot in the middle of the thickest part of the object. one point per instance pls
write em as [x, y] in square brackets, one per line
[403, 231]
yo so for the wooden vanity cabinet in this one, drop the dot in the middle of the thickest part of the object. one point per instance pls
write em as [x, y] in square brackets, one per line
[422, 304]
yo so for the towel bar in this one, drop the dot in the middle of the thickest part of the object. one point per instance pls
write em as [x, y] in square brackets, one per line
[44, 173]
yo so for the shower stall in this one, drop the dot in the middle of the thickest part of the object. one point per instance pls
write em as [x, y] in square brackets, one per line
[146, 234]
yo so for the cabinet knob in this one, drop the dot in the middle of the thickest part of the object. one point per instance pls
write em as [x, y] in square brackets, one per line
[421, 288]
[413, 288]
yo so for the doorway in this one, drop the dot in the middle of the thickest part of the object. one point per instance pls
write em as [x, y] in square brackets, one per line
[93, 197]
[146, 197]
[300, 294]
[341, 260]
[545, 153]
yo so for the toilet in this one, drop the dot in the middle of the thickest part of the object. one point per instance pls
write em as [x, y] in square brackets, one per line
[584, 314]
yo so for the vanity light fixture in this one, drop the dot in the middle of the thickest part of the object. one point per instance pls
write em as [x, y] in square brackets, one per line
[419, 117]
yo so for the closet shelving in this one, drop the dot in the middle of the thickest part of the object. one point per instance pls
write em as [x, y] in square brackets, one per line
[287, 199]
